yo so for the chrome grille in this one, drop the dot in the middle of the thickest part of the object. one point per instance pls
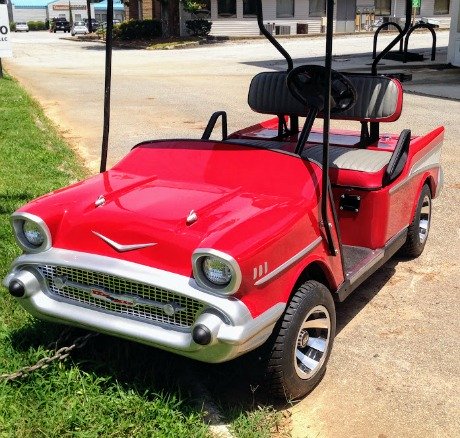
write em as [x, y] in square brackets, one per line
[184, 316]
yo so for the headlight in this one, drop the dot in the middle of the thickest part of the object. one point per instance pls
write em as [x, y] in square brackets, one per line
[33, 233]
[216, 271]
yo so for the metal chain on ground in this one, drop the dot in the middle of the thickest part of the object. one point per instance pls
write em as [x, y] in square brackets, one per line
[59, 355]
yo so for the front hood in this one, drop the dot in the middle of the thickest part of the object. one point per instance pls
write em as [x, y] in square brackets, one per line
[241, 197]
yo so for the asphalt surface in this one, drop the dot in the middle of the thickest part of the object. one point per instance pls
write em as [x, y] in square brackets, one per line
[394, 370]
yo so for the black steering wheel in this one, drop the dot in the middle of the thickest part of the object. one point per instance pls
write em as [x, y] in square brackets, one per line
[308, 82]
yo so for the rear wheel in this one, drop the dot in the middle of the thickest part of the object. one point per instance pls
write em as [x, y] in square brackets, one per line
[418, 230]
[301, 347]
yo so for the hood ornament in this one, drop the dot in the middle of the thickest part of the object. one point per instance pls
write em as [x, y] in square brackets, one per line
[123, 248]
[99, 201]
[191, 218]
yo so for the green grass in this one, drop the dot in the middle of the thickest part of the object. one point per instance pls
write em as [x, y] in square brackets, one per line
[110, 388]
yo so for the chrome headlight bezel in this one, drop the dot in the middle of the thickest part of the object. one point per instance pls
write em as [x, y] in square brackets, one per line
[18, 220]
[230, 288]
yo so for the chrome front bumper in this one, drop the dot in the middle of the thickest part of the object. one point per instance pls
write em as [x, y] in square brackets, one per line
[233, 330]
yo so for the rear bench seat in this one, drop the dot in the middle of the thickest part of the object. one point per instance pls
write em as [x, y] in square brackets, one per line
[352, 167]
[379, 99]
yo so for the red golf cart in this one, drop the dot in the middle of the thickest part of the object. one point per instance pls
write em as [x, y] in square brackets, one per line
[210, 249]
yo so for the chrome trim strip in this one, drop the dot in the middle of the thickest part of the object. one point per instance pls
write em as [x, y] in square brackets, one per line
[289, 262]
[440, 184]
[122, 248]
[17, 220]
[429, 161]
[202, 281]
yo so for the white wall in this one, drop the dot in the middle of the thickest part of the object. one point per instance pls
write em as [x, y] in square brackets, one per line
[241, 26]
[426, 10]
[64, 9]
[29, 14]
[453, 54]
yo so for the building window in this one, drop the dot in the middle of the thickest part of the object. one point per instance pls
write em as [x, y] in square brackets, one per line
[249, 8]
[226, 8]
[284, 8]
[441, 7]
[317, 8]
[382, 7]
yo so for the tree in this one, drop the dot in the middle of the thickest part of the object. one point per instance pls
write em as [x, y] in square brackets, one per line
[170, 18]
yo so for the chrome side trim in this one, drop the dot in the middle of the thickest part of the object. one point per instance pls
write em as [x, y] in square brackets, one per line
[201, 280]
[440, 184]
[289, 262]
[123, 248]
[17, 220]
[429, 161]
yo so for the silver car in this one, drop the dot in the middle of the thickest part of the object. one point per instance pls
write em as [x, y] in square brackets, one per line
[22, 27]
[79, 27]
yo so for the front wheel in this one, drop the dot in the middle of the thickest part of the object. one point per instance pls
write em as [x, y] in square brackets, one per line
[417, 232]
[301, 347]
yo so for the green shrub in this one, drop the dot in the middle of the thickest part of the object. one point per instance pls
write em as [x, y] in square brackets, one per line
[12, 26]
[36, 25]
[198, 27]
[137, 30]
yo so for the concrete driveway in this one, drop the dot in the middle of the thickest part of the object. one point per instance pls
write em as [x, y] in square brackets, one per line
[395, 368]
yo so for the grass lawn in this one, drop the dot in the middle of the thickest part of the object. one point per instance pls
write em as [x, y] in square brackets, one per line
[111, 387]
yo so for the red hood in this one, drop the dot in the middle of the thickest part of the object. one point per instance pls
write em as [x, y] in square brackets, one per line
[243, 197]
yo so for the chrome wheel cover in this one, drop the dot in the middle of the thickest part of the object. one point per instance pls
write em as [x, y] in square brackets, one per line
[424, 220]
[312, 342]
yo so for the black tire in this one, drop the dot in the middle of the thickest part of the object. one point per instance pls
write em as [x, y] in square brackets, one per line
[417, 233]
[286, 376]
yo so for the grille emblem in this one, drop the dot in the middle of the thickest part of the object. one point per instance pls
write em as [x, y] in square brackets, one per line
[113, 298]
[100, 293]
[123, 248]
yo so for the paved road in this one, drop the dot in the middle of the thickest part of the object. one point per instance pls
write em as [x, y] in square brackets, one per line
[395, 366]
[158, 94]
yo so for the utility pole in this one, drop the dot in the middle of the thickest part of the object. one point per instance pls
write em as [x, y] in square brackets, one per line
[90, 23]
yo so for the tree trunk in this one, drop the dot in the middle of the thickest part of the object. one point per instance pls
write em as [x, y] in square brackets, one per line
[174, 23]
[170, 23]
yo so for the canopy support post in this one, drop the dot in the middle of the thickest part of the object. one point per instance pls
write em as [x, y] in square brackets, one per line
[107, 87]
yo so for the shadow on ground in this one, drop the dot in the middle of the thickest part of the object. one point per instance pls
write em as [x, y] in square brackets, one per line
[351, 62]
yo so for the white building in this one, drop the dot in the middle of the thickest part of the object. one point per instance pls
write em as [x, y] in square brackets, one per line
[453, 54]
[43, 10]
[237, 17]
[100, 9]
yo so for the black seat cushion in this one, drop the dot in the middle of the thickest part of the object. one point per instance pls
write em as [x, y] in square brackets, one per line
[379, 98]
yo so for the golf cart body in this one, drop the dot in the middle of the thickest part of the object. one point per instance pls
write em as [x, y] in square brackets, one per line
[210, 249]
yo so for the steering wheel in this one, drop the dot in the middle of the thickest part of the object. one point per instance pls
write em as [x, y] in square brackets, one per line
[308, 82]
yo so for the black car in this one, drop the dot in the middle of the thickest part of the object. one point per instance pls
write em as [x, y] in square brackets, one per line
[94, 23]
[60, 24]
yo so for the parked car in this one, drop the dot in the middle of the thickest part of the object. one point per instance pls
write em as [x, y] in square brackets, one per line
[95, 24]
[59, 24]
[22, 27]
[104, 24]
[79, 28]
